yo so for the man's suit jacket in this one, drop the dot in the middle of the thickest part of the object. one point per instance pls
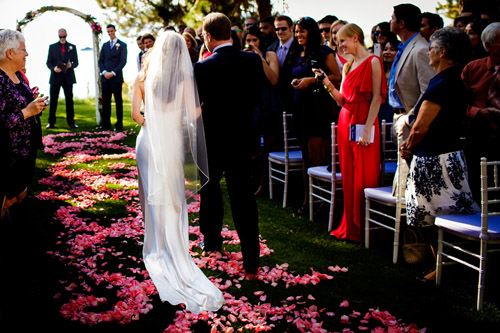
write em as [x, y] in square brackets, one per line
[230, 86]
[113, 60]
[55, 55]
[285, 88]
[413, 72]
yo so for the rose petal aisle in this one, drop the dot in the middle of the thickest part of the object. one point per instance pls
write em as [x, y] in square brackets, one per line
[95, 181]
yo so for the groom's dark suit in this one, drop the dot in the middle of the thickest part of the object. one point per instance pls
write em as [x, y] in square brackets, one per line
[229, 85]
[112, 60]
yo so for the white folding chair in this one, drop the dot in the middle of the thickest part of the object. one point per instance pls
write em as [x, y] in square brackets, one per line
[481, 229]
[378, 214]
[324, 183]
[283, 162]
[389, 153]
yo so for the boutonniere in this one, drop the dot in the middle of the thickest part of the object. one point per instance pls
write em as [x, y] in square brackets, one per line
[70, 47]
[117, 45]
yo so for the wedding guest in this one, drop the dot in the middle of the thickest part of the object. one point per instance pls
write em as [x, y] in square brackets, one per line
[430, 23]
[192, 46]
[112, 59]
[391, 47]
[19, 110]
[325, 25]
[410, 73]
[149, 41]
[382, 33]
[461, 22]
[363, 90]
[287, 45]
[266, 116]
[437, 179]
[270, 39]
[474, 30]
[251, 21]
[313, 110]
[140, 44]
[481, 77]
[340, 56]
[62, 60]
[236, 28]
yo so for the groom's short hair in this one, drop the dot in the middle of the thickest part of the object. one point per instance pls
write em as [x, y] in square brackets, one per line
[218, 25]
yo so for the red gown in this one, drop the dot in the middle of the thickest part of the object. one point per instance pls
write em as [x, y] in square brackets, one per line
[360, 165]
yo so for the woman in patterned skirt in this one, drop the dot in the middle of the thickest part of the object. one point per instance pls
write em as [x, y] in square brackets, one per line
[437, 182]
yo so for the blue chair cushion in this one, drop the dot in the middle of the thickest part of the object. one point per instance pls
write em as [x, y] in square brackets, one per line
[383, 194]
[323, 173]
[293, 156]
[390, 167]
[469, 225]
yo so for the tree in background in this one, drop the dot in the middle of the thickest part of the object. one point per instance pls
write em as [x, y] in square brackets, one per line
[453, 8]
[134, 16]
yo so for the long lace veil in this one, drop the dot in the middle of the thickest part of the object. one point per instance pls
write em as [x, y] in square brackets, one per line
[174, 124]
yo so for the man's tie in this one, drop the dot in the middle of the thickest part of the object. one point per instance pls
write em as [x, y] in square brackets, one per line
[282, 55]
[111, 44]
[62, 49]
[493, 98]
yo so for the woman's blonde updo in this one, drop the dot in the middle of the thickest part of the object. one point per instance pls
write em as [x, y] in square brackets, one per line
[349, 31]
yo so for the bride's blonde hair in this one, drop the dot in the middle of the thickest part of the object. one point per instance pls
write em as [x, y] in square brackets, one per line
[145, 65]
[350, 30]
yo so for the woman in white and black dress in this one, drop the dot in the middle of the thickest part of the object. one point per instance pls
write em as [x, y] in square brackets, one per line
[437, 181]
[171, 141]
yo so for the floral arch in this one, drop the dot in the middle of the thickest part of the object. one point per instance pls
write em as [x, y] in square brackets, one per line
[96, 32]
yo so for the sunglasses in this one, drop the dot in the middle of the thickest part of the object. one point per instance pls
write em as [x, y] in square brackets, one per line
[282, 29]
[250, 24]
[60, 37]
[324, 30]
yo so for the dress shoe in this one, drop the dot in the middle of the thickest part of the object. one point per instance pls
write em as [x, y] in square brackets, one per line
[103, 128]
[73, 126]
[50, 126]
[118, 129]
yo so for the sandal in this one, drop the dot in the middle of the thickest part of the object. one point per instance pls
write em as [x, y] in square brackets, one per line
[429, 277]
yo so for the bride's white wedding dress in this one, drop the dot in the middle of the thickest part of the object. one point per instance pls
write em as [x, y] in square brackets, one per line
[172, 130]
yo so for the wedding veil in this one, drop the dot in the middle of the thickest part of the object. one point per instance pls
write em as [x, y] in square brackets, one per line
[174, 125]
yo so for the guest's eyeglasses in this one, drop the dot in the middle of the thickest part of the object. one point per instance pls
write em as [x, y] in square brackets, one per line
[250, 24]
[324, 30]
[376, 33]
[282, 29]
[61, 37]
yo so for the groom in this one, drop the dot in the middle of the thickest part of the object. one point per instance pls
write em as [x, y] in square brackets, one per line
[229, 84]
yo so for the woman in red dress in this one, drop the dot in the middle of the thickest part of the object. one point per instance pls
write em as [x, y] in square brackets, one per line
[362, 91]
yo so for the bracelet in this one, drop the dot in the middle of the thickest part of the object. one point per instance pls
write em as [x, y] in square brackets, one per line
[329, 88]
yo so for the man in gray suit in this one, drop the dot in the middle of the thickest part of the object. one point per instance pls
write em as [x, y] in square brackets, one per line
[410, 73]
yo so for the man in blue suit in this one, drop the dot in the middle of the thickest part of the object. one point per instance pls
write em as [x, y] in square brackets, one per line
[229, 84]
[61, 61]
[112, 59]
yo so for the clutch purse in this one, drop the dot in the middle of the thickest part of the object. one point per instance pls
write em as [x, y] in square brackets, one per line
[355, 131]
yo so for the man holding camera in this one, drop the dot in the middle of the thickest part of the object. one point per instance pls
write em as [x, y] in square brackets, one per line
[61, 61]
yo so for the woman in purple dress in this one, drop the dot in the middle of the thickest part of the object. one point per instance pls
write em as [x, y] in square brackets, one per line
[20, 130]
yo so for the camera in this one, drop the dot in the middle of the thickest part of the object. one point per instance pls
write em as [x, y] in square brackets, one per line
[319, 79]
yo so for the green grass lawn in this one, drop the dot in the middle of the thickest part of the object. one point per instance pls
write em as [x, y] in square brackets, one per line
[372, 280]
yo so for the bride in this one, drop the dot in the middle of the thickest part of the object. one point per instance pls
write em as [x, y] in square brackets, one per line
[171, 141]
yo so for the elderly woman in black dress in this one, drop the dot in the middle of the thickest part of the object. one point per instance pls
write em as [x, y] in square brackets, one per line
[437, 182]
